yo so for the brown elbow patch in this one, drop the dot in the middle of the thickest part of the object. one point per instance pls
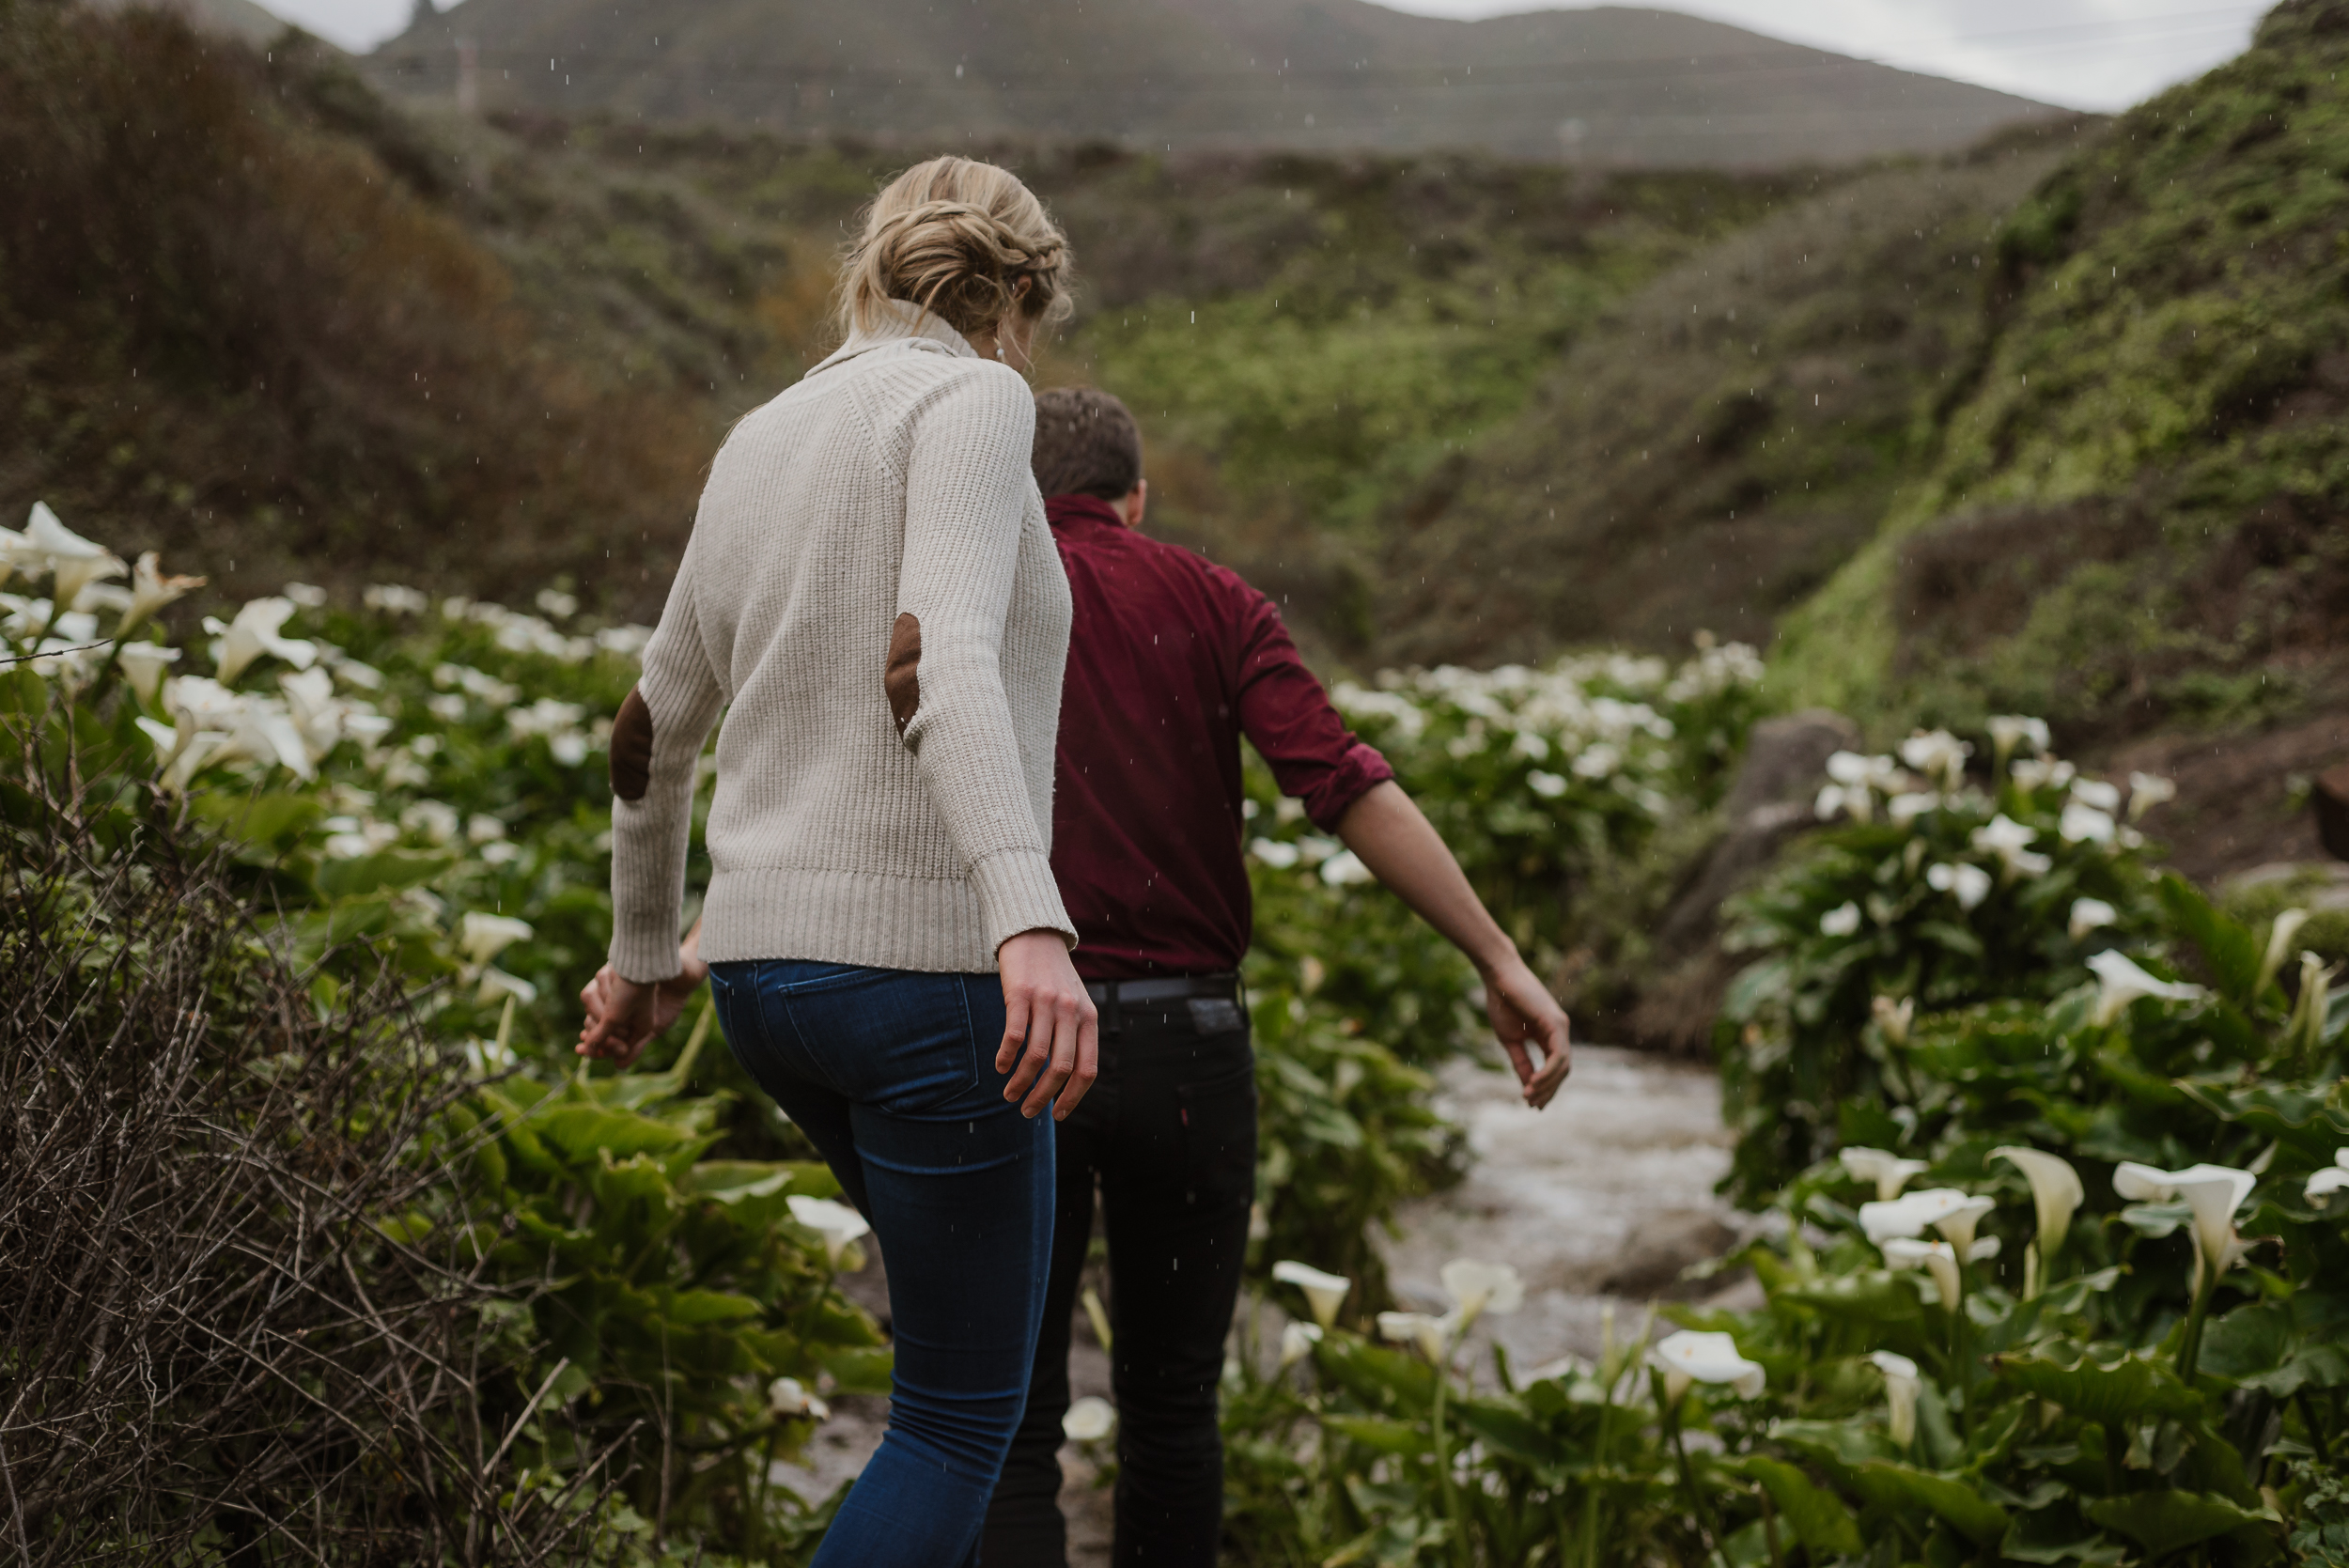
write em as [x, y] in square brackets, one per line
[902, 679]
[632, 748]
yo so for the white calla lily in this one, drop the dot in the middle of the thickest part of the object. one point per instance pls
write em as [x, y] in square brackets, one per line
[2305, 1031]
[2096, 792]
[1691, 1356]
[2120, 981]
[1937, 754]
[1938, 1259]
[2082, 824]
[1324, 1292]
[837, 1223]
[74, 563]
[495, 982]
[1946, 1209]
[482, 937]
[1432, 1335]
[1901, 1388]
[1477, 1288]
[144, 664]
[785, 1396]
[1894, 1017]
[1888, 1170]
[2213, 1192]
[2333, 1178]
[2009, 731]
[2090, 914]
[2056, 1193]
[1968, 883]
[1296, 1342]
[255, 633]
[1841, 921]
[150, 590]
[2148, 790]
[1089, 1420]
[2280, 931]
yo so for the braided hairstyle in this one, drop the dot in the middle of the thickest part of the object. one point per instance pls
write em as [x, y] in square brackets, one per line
[955, 236]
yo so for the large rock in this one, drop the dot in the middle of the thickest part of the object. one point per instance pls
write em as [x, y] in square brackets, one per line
[1769, 804]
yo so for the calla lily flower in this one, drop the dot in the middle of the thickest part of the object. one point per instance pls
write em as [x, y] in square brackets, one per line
[1324, 1292]
[2324, 1184]
[1937, 754]
[150, 590]
[143, 667]
[495, 982]
[2010, 730]
[1905, 809]
[1482, 1287]
[785, 1397]
[74, 562]
[1937, 1258]
[1296, 1342]
[1433, 1335]
[1089, 1420]
[2056, 1195]
[1841, 921]
[837, 1223]
[482, 938]
[2096, 792]
[1889, 1171]
[1693, 1356]
[1954, 1213]
[2148, 790]
[2213, 1193]
[1346, 869]
[2043, 772]
[2086, 824]
[1901, 1387]
[2090, 914]
[1969, 884]
[253, 633]
[2120, 981]
[2279, 934]
[1894, 1017]
[2306, 1029]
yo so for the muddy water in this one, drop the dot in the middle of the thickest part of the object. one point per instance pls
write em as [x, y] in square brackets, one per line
[1602, 1199]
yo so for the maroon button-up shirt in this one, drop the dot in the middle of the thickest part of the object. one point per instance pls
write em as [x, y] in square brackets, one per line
[1171, 660]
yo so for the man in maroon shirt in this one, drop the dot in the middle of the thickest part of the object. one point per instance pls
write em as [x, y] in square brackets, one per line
[1171, 660]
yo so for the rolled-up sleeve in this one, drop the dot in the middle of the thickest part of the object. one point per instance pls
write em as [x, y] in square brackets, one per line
[1289, 719]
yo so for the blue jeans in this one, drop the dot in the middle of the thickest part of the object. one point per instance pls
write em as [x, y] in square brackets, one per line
[891, 1074]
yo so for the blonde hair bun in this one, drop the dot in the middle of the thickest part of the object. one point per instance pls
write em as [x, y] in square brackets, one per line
[955, 237]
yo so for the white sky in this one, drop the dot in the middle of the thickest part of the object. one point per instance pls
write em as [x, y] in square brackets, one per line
[2085, 53]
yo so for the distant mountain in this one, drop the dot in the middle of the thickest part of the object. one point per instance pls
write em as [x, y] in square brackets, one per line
[1610, 85]
[238, 19]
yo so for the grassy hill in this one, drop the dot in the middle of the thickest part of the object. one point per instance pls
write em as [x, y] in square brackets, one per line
[1611, 86]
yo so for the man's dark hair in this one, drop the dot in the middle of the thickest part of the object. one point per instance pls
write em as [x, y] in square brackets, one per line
[1086, 443]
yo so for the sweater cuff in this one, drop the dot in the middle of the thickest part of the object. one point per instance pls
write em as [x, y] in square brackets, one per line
[1017, 892]
[644, 955]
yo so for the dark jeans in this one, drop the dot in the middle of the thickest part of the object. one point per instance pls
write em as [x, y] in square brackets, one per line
[1169, 1131]
[892, 1076]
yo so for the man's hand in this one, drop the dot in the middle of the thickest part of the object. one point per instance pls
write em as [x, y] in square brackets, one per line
[1525, 1014]
[623, 1016]
[1047, 1010]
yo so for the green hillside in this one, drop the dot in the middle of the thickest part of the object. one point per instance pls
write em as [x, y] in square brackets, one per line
[1609, 86]
[1727, 438]
[2133, 516]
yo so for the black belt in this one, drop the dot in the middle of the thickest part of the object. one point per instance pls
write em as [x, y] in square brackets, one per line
[1175, 987]
[1115, 998]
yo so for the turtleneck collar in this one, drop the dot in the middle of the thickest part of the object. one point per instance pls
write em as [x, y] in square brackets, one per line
[900, 322]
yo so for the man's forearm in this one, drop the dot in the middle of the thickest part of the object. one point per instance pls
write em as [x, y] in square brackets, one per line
[1402, 848]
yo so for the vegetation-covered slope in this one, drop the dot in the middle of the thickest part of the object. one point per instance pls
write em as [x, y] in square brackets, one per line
[1726, 439]
[1612, 85]
[234, 331]
[2136, 513]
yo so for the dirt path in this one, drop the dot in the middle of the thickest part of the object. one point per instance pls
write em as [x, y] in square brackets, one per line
[1604, 1198]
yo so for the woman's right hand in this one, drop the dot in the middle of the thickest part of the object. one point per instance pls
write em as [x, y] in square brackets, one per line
[1045, 1010]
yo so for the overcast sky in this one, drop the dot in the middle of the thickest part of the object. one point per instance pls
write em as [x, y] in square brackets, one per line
[2085, 54]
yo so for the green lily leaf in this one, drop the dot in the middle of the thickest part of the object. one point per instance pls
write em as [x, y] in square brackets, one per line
[1877, 1295]
[2229, 948]
[578, 1132]
[2056, 1533]
[2163, 1522]
[1401, 1438]
[1817, 1515]
[1957, 1502]
[2130, 1388]
[386, 870]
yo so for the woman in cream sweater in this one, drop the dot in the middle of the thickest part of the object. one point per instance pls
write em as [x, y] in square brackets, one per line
[872, 596]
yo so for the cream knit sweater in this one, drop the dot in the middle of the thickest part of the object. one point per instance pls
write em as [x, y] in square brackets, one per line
[879, 516]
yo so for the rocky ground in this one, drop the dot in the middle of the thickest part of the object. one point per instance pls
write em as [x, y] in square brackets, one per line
[1601, 1200]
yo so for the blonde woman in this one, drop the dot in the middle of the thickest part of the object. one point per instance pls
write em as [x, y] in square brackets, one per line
[872, 596]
